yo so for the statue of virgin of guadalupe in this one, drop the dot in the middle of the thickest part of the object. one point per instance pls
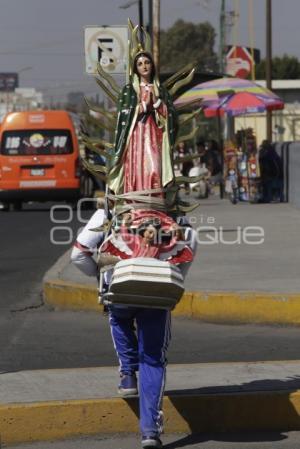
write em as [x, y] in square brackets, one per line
[146, 132]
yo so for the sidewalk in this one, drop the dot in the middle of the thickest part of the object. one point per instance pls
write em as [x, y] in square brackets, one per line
[55, 404]
[236, 282]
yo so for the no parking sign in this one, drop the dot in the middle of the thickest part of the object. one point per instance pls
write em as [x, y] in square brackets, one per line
[107, 46]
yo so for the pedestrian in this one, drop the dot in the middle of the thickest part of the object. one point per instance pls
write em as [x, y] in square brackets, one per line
[140, 336]
[271, 171]
[213, 161]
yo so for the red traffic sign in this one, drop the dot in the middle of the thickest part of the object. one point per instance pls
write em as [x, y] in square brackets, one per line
[239, 61]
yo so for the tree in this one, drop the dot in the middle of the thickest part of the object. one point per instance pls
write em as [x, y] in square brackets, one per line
[185, 42]
[283, 68]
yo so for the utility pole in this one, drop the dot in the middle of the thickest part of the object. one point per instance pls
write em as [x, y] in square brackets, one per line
[156, 33]
[141, 14]
[150, 23]
[222, 69]
[269, 63]
[222, 37]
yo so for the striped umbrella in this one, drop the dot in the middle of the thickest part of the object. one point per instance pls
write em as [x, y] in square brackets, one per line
[233, 96]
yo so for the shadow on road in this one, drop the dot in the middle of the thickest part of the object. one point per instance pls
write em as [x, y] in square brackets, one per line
[240, 437]
[222, 414]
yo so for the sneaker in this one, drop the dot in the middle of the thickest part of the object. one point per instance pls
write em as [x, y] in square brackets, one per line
[128, 385]
[151, 442]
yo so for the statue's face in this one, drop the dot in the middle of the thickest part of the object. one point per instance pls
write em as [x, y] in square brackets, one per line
[150, 234]
[144, 67]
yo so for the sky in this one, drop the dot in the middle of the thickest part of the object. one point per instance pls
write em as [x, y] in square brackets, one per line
[43, 39]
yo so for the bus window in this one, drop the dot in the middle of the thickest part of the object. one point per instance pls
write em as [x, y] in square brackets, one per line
[39, 142]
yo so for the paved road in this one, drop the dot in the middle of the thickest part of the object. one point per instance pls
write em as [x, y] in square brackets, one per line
[38, 339]
[31, 336]
[274, 440]
[26, 253]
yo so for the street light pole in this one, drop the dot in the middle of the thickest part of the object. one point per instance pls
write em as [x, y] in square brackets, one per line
[156, 33]
[269, 63]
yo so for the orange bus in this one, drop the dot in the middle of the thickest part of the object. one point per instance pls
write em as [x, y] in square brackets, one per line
[39, 158]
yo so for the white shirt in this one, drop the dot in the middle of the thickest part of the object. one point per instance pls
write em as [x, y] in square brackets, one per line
[87, 237]
[90, 240]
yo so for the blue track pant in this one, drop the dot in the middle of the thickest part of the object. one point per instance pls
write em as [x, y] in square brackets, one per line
[143, 350]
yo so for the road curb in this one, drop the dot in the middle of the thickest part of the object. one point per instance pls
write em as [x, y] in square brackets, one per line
[222, 307]
[269, 411]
